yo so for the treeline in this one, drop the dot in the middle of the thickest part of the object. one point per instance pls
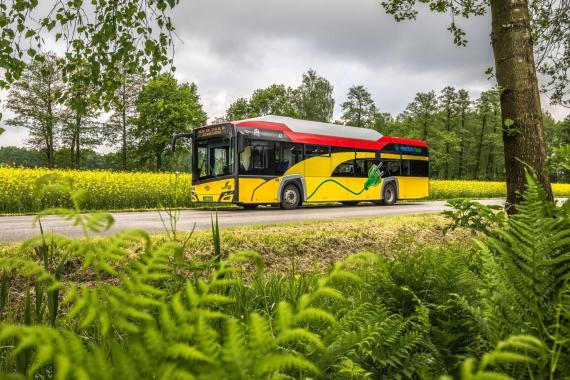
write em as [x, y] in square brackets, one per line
[464, 133]
[141, 119]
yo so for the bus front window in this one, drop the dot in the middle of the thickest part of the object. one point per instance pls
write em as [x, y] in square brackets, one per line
[214, 158]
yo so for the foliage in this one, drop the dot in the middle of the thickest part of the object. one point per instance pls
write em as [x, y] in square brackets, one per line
[551, 36]
[424, 108]
[121, 122]
[312, 100]
[239, 110]
[103, 37]
[473, 215]
[499, 311]
[165, 107]
[359, 109]
[34, 99]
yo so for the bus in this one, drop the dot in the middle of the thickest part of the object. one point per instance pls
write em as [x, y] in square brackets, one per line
[275, 160]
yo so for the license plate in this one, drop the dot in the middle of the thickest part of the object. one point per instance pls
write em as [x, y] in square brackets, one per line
[208, 198]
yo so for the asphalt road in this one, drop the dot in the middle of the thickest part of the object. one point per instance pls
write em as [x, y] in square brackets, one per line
[16, 228]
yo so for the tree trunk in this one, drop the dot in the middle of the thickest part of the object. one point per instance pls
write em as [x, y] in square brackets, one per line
[491, 166]
[461, 144]
[425, 128]
[124, 149]
[50, 148]
[448, 129]
[158, 160]
[124, 117]
[480, 147]
[72, 150]
[520, 100]
[77, 155]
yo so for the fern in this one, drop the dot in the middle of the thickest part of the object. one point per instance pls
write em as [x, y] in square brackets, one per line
[512, 358]
[527, 265]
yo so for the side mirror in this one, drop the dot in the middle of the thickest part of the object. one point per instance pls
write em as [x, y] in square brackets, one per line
[177, 136]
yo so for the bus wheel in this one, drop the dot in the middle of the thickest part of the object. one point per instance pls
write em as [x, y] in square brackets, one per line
[291, 197]
[349, 203]
[248, 206]
[389, 195]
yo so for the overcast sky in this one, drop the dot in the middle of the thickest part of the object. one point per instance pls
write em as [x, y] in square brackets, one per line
[230, 47]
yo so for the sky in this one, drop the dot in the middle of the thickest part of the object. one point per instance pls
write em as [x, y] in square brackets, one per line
[230, 48]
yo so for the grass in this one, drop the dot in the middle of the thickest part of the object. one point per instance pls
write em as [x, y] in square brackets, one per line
[315, 246]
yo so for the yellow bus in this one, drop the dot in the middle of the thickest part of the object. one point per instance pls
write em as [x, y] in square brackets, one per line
[275, 160]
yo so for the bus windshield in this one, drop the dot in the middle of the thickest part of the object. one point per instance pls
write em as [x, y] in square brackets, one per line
[214, 158]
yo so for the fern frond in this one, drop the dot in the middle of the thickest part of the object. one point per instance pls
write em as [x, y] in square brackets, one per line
[278, 363]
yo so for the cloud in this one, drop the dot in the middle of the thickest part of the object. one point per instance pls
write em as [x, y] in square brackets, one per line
[229, 48]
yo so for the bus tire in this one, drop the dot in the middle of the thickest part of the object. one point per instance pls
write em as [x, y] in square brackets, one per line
[389, 195]
[249, 206]
[349, 203]
[290, 197]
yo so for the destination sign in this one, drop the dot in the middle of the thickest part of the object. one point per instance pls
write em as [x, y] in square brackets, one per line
[409, 149]
[405, 149]
[213, 131]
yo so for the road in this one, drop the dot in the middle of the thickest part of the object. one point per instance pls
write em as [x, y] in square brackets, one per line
[16, 228]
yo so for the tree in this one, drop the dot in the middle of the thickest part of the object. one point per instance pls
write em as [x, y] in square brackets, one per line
[273, 100]
[165, 107]
[424, 107]
[120, 123]
[551, 36]
[80, 128]
[239, 110]
[515, 70]
[463, 106]
[558, 147]
[359, 109]
[29, 158]
[313, 98]
[106, 36]
[447, 101]
[484, 107]
[34, 99]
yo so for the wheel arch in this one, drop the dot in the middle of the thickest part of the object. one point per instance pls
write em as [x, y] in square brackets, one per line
[388, 181]
[296, 179]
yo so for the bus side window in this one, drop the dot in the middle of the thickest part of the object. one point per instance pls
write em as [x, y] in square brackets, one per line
[419, 168]
[345, 169]
[405, 167]
[360, 168]
[316, 150]
[262, 158]
[391, 168]
[287, 155]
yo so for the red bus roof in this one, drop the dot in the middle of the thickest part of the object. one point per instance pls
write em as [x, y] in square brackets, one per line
[313, 132]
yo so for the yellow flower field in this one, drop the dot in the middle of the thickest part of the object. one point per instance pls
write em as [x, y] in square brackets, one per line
[123, 190]
[442, 189]
[106, 190]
